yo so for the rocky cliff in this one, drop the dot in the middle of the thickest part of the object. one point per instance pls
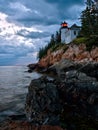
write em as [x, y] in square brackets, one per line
[71, 99]
[74, 52]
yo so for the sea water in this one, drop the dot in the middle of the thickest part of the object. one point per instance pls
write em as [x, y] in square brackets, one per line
[14, 81]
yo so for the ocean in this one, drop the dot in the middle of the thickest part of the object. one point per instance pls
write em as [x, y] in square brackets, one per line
[14, 81]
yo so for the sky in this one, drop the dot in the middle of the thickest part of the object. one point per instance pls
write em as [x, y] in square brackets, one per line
[27, 25]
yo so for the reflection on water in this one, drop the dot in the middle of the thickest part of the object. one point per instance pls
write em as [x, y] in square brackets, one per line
[13, 88]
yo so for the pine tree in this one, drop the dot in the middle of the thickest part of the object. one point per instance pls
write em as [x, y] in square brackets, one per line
[58, 37]
[52, 40]
[89, 19]
[95, 13]
[85, 21]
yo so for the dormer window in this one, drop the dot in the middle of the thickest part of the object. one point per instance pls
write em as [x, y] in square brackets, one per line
[74, 32]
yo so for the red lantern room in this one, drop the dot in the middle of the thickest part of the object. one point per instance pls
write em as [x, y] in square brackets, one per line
[64, 25]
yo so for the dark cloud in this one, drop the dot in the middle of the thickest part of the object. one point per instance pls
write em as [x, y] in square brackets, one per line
[7, 60]
[15, 51]
[65, 8]
[46, 12]
[33, 35]
[44, 15]
[10, 54]
[4, 6]
[44, 21]
[65, 2]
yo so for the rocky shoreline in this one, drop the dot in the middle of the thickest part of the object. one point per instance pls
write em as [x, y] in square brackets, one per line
[76, 96]
[67, 101]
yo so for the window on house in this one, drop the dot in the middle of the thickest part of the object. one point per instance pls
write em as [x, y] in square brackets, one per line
[74, 32]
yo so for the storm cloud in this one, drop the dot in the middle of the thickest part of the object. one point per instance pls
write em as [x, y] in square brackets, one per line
[25, 26]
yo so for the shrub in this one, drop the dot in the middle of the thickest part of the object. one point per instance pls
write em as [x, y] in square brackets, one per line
[92, 42]
[57, 46]
[80, 40]
[52, 47]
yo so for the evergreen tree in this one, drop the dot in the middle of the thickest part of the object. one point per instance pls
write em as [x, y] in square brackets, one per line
[58, 36]
[52, 40]
[95, 14]
[89, 4]
[85, 21]
[89, 19]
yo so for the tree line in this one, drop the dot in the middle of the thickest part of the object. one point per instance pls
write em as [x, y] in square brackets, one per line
[54, 41]
[89, 19]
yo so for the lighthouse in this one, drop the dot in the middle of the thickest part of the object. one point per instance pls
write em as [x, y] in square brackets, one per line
[69, 33]
[64, 29]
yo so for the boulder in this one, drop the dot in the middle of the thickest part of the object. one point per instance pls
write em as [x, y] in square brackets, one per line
[82, 91]
[32, 66]
[63, 65]
[42, 102]
[89, 68]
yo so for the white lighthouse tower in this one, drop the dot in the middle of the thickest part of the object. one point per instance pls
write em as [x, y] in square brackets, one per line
[64, 29]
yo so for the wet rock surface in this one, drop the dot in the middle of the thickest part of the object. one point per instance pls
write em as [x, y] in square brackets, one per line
[70, 97]
[42, 102]
[64, 65]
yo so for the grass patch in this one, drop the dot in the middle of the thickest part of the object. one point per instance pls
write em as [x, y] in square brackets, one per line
[90, 42]
[80, 40]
